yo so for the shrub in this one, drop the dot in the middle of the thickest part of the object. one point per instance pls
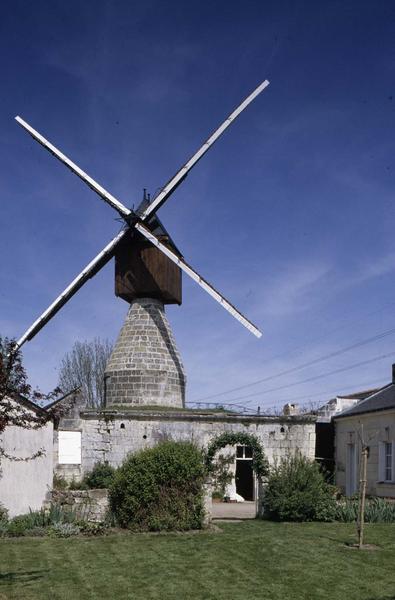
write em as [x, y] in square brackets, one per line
[63, 530]
[160, 488]
[36, 532]
[100, 477]
[3, 529]
[297, 491]
[16, 527]
[59, 482]
[92, 528]
[56, 521]
[35, 521]
[377, 510]
[77, 485]
[3, 513]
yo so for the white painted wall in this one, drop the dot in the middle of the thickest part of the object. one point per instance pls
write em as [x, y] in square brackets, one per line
[24, 484]
[378, 427]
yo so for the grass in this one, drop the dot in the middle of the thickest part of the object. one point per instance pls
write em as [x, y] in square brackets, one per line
[246, 561]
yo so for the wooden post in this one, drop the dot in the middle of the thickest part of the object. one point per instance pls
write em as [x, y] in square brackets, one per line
[362, 495]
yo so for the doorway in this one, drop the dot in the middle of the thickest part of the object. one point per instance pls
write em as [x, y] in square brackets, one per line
[244, 475]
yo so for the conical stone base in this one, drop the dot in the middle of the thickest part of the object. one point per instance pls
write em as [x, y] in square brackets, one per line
[145, 367]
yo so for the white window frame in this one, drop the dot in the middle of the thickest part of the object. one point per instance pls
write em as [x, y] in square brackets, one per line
[69, 447]
[383, 467]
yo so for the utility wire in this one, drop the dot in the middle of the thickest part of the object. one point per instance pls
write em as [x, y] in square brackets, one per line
[367, 387]
[314, 378]
[341, 327]
[358, 344]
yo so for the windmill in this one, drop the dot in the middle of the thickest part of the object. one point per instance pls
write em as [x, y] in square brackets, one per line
[145, 366]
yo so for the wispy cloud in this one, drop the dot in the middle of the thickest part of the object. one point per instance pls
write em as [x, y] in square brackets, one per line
[294, 289]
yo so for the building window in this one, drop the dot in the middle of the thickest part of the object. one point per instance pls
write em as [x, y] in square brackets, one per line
[243, 452]
[69, 447]
[387, 461]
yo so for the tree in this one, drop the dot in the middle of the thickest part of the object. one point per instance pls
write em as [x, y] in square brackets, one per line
[83, 367]
[14, 391]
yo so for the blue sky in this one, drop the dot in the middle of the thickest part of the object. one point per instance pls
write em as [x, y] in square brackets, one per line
[290, 215]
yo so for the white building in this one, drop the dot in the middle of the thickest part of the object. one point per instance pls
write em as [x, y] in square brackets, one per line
[372, 421]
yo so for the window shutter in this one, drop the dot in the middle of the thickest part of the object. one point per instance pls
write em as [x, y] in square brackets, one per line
[381, 461]
[69, 447]
[393, 462]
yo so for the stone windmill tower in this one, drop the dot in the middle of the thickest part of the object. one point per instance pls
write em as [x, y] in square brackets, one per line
[145, 367]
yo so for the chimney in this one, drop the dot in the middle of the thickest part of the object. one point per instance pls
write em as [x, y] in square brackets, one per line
[393, 373]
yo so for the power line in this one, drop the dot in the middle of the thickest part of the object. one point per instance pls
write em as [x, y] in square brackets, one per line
[315, 377]
[365, 384]
[315, 361]
[338, 328]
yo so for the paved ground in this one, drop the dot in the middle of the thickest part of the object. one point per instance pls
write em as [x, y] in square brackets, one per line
[237, 510]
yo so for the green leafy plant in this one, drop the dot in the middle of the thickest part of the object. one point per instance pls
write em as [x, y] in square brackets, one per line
[216, 495]
[220, 474]
[63, 530]
[377, 510]
[297, 491]
[93, 528]
[59, 482]
[160, 488]
[3, 528]
[3, 513]
[36, 520]
[17, 527]
[260, 463]
[77, 485]
[100, 477]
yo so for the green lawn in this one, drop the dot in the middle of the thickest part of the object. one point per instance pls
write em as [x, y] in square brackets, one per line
[246, 561]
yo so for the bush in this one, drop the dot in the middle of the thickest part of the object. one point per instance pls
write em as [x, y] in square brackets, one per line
[377, 510]
[35, 521]
[160, 488]
[59, 482]
[3, 513]
[100, 477]
[77, 485]
[63, 530]
[297, 491]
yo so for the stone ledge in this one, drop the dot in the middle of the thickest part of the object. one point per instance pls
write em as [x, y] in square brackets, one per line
[174, 415]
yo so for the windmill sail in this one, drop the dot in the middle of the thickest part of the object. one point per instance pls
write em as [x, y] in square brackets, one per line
[106, 196]
[89, 271]
[149, 210]
[199, 280]
[170, 186]
[173, 183]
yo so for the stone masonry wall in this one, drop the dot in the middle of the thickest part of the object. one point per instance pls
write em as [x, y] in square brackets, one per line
[145, 367]
[112, 439]
[90, 505]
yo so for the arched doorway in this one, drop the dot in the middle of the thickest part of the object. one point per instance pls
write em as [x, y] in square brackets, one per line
[247, 465]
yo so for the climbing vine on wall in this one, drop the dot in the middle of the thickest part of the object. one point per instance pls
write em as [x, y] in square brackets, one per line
[260, 463]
